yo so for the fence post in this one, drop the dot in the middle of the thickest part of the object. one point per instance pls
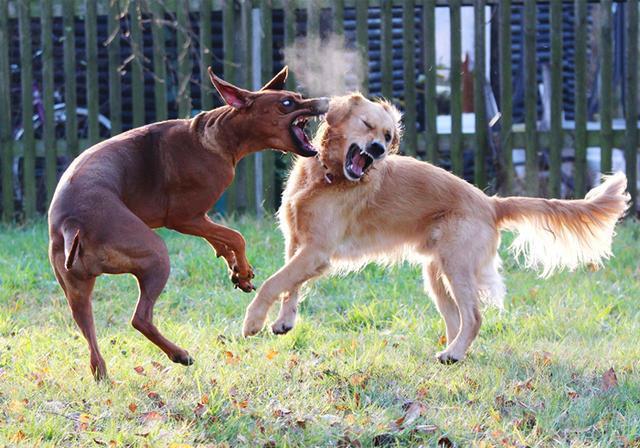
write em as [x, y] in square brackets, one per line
[606, 90]
[159, 60]
[581, 99]
[386, 24]
[479, 105]
[28, 142]
[183, 43]
[362, 38]
[409, 69]
[206, 94]
[48, 127]
[431, 71]
[556, 143]
[93, 92]
[6, 141]
[115, 84]
[70, 94]
[506, 100]
[456, 89]
[631, 105]
[338, 17]
[137, 74]
[268, 158]
[530, 98]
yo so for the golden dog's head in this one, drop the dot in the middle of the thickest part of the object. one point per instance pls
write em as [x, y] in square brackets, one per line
[359, 133]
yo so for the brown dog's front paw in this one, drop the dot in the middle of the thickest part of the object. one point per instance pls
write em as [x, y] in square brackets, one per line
[242, 280]
[182, 358]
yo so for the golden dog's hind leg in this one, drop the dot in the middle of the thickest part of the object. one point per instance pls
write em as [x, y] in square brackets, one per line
[444, 302]
[464, 287]
[288, 312]
[306, 264]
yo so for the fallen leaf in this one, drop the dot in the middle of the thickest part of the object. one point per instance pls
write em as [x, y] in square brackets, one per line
[133, 407]
[524, 385]
[293, 361]
[350, 419]
[18, 436]
[359, 380]
[527, 422]
[347, 442]
[281, 412]
[230, 358]
[157, 365]
[442, 341]
[204, 399]
[151, 416]
[542, 358]
[241, 404]
[139, 370]
[572, 394]
[99, 442]
[271, 354]
[413, 410]
[609, 380]
[422, 392]
[445, 442]
[384, 439]
[200, 409]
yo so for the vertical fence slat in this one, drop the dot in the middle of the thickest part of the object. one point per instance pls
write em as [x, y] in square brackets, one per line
[479, 106]
[248, 163]
[229, 74]
[48, 127]
[183, 43]
[206, 94]
[159, 60]
[28, 141]
[456, 89]
[137, 73]
[631, 105]
[268, 158]
[91, 36]
[606, 90]
[530, 98]
[338, 17]
[409, 91]
[313, 19]
[70, 94]
[290, 34]
[6, 143]
[556, 142]
[362, 39]
[506, 103]
[581, 99]
[430, 104]
[386, 24]
[115, 83]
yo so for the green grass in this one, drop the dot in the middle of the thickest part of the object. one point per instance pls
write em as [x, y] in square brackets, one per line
[363, 348]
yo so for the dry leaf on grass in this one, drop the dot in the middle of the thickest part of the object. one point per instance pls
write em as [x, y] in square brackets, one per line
[609, 380]
[271, 354]
[139, 370]
[133, 407]
[413, 410]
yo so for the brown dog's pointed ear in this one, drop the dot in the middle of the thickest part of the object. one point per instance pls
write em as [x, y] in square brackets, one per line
[232, 95]
[277, 82]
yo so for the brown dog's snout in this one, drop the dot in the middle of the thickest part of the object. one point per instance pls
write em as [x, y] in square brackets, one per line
[320, 105]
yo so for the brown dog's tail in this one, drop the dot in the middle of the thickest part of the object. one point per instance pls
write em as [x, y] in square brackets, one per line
[554, 234]
[71, 245]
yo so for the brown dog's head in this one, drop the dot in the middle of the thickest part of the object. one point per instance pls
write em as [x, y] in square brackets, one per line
[364, 132]
[275, 117]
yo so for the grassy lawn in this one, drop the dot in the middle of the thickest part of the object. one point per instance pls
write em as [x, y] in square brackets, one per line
[358, 370]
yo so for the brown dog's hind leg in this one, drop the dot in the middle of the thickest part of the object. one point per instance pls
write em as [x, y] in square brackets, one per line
[152, 274]
[444, 302]
[78, 293]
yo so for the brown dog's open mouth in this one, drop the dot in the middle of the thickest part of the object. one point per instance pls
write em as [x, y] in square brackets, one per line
[357, 162]
[300, 138]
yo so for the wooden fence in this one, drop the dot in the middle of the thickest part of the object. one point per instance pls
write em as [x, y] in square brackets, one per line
[247, 26]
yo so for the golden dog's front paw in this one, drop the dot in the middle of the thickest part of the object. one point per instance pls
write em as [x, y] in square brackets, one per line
[448, 358]
[253, 323]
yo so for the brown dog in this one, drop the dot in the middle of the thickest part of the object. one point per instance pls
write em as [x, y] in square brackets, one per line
[166, 174]
[362, 204]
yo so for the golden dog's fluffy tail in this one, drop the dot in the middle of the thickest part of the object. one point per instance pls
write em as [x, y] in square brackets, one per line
[555, 234]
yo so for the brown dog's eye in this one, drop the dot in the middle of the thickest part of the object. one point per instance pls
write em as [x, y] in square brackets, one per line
[287, 103]
[387, 136]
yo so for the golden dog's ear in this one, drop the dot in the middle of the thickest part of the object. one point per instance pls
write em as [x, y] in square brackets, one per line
[341, 106]
[396, 115]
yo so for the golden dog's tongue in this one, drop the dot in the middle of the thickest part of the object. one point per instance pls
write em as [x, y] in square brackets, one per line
[357, 164]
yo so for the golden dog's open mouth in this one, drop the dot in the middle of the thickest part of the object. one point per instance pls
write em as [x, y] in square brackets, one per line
[357, 162]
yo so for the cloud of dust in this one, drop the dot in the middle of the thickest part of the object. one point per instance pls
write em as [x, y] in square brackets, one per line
[324, 67]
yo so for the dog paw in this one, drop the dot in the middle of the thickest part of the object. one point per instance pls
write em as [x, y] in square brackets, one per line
[281, 327]
[242, 280]
[252, 326]
[182, 358]
[447, 358]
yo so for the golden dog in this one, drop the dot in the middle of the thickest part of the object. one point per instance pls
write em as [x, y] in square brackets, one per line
[361, 203]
